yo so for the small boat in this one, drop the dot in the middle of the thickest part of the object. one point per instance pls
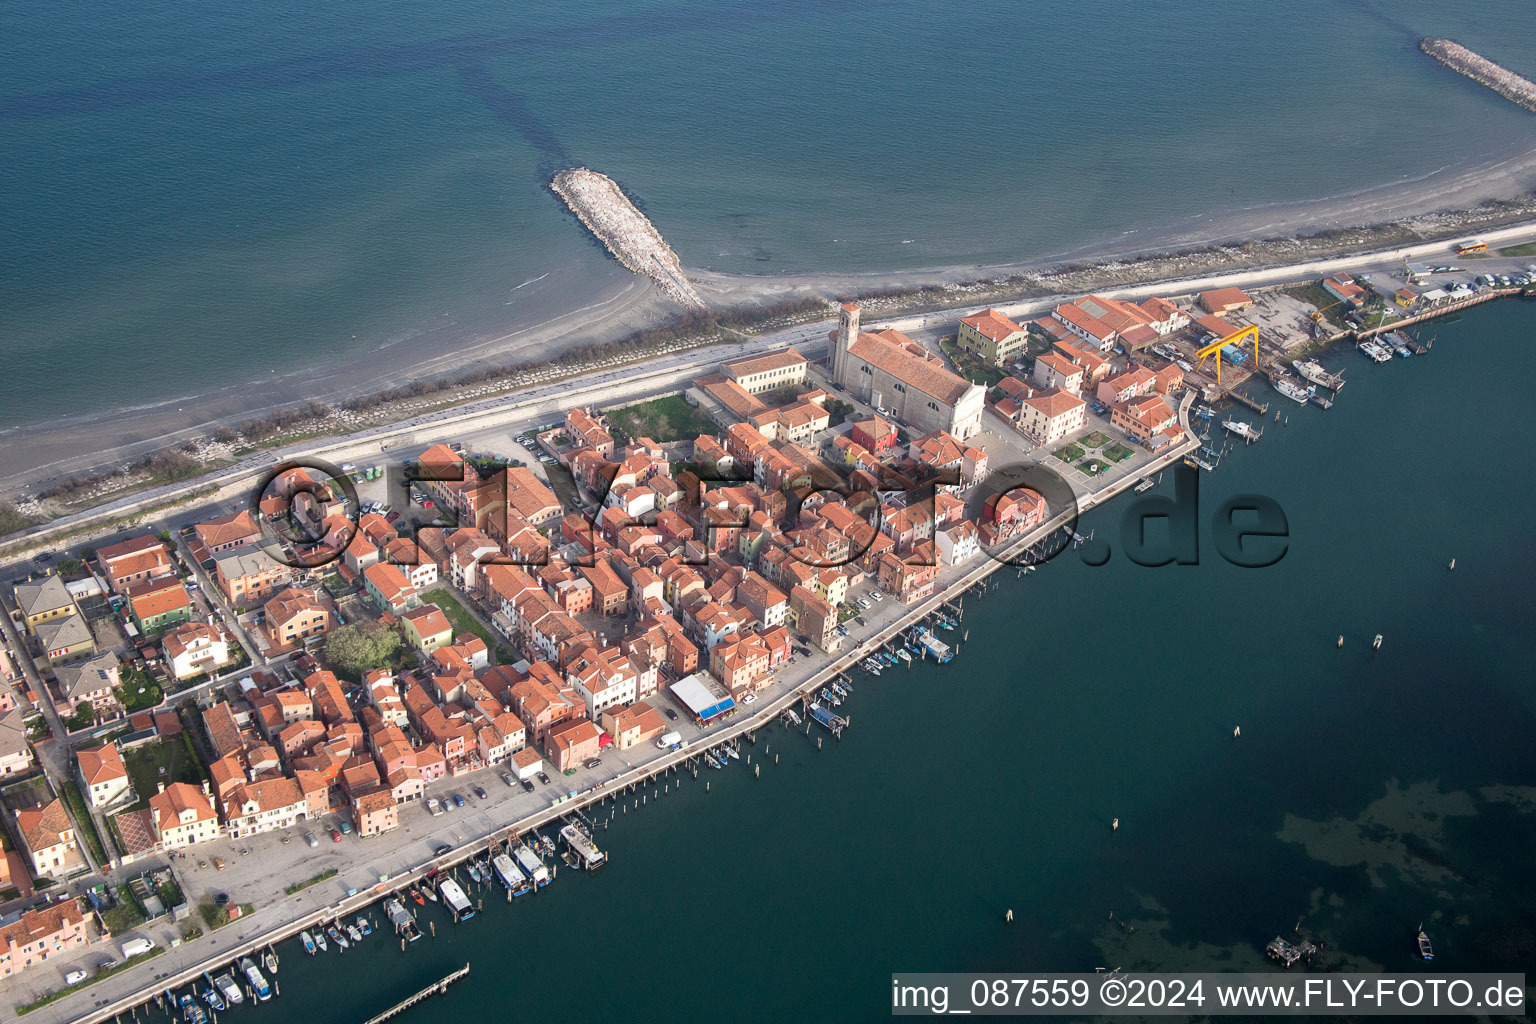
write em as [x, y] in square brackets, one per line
[309, 943]
[258, 983]
[269, 961]
[735, 754]
[213, 999]
[474, 872]
[353, 933]
[1426, 951]
[1291, 389]
[1376, 643]
[428, 893]
[416, 895]
[319, 938]
[337, 937]
[191, 1012]
[837, 689]
[904, 655]
[363, 925]
[226, 985]
[1240, 428]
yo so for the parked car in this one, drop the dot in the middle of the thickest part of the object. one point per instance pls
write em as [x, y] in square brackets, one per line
[592, 762]
[528, 785]
[508, 779]
[458, 800]
[335, 835]
[346, 827]
[671, 715]
[309, 837]
[750, 698]
[543, 778]
[218, 863]
[441, 850]
[480, 792]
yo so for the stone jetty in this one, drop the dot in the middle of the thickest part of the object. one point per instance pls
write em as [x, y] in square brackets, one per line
[599, 203]
[1482, 71]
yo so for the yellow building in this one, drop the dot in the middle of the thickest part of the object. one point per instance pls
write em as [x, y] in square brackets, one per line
[427, 628]
[43, 600]
[991, 336]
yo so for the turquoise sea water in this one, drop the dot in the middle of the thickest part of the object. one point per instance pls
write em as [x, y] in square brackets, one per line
[197, 198]
[1368, 792]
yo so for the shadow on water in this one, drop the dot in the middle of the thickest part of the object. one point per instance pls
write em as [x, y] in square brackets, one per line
[381, 61]
[512, 110]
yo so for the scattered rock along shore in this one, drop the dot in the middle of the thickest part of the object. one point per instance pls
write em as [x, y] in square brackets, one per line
[1482, 71]
[599, 203]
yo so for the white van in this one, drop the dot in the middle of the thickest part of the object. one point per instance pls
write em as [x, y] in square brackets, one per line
[136, 945]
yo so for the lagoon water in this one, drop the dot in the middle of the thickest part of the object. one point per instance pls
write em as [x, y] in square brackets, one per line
[200, 200]
[1368, 792]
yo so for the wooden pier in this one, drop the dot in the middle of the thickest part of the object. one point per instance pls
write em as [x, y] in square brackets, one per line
[1259, 407]
[437, 988]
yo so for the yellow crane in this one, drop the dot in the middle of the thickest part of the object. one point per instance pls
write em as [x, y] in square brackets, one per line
[1215, 347]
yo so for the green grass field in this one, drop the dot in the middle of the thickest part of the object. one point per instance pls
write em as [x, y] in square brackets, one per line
[662, 419]
[144, 766]
[1525, 249]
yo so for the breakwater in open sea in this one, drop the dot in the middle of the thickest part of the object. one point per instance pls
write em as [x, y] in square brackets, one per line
[207, 210]
[1367, 793]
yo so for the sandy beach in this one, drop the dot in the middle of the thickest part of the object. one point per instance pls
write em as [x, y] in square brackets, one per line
[618, 303]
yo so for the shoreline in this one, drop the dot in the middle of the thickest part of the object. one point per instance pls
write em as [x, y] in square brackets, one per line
[661, 764]
[1450, 199]
[497, 403]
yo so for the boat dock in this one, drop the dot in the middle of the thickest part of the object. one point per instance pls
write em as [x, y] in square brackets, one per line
[1287, 954]
[581, 844]
[1259, 407]
[437, 988]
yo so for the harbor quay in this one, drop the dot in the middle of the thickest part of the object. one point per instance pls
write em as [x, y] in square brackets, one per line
[398, 866]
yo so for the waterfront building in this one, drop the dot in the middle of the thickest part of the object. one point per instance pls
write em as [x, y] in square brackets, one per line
[227, 533]
[43, 600]
[633, 725]
[1147, 419]
[39, 934]
[1224, 300]
[769, 372]
[265, 805]
[991, 337]
[568, 744]
[134, 561]
[1343, 287]
[895, 374]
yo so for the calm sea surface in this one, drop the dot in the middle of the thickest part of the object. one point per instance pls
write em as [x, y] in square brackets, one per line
[196, 197]
[1368, 792]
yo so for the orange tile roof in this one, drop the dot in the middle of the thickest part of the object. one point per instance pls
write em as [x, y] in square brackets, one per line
[889, 351]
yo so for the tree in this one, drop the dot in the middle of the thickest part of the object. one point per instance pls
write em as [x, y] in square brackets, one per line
[360, 647]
